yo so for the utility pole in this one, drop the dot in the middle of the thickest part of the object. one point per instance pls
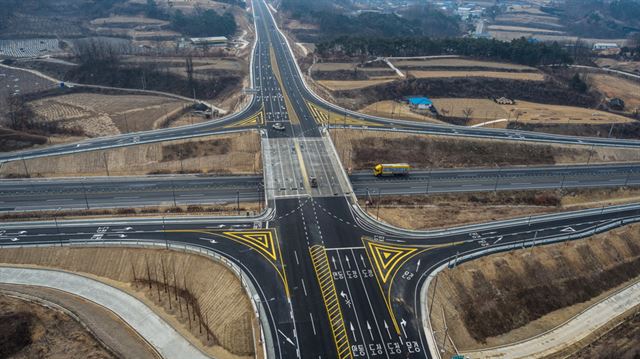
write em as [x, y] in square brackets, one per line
[378, 210]
[429, 179]
[106, 164]
[84, 190]
[173, 191]
[238, 202]
[611, 130]
[590, 154]
[24, 163]
[497, 179]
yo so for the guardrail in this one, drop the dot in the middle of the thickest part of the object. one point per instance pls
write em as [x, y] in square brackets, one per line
[453, 262]
[246, 280]
[267, 214]
[393, 230]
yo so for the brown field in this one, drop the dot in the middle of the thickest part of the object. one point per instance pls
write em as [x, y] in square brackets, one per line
[525, 76]
[216, 289]
[629, 66]
[458, 62]
[393, 109]
[621, 341]
[446, 210]
[21, 82]
[127, 20]
[362, 149]
[522, 29]
[353, 85]
[506, 297]
[234, 153]
[543, 113]
[333, 66]
[612, 86]
[483, 109]
[102, 115]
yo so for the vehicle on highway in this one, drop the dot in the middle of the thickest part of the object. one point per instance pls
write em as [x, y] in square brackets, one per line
[314, 182]
[391, 169]
[278, 126]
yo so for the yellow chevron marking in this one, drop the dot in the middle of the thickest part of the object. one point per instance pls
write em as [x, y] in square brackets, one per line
[323, 116]
[255, 119]
[331, 302]
[260, 240]
[388, 258]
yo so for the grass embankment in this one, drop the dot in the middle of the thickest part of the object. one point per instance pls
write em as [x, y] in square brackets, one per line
[202, 299]
[360, 149]
[191, 210]
[237, 153]
[512, 296]
[445, 210]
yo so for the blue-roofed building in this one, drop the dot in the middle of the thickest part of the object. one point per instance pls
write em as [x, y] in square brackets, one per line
[421, 103]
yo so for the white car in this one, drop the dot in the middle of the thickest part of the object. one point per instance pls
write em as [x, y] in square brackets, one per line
[278, 126]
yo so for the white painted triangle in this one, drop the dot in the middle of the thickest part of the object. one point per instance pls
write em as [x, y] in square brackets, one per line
[568, 229]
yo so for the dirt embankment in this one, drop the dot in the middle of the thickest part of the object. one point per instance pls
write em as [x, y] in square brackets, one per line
[443, 210]
[512, 296]
[30, 330]
[202, 299]
[364, 149]
[221, 154]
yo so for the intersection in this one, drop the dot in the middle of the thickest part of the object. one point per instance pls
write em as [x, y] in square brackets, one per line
[333, 282]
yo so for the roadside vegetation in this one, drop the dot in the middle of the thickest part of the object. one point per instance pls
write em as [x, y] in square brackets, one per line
[360, 149]
[507, 297]
[330, 19]
[219, 154]
[200, 298]
[440, 210]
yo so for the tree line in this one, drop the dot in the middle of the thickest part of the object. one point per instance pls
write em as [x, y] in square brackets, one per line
[199, 23]
[334, 19]
[520, 51]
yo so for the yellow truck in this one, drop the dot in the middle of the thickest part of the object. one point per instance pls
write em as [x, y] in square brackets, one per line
[391, 169]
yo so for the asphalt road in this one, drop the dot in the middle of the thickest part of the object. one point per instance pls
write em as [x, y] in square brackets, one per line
[335, 284]
[117, 192]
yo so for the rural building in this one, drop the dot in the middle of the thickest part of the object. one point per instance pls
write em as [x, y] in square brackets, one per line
[504, 101]
[420, 103]
[209, 41]
[606, 48]
[616, 104]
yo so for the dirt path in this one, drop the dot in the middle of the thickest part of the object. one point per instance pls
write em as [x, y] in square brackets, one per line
[103, 324]
[28, 329]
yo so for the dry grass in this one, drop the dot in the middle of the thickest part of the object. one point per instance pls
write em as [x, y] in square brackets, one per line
[361, 149]
[542, 113]
[446, 210]
[33, 330]
[458, 62]
[483, 109]
[333, 66]
[335, 85]
[523, 29]
[612, 86]
[629, 66]
[393, 109]
[102, 115]
[507, 297]
[524, 76]
[242, 156]
[226, 209]
[218, 291]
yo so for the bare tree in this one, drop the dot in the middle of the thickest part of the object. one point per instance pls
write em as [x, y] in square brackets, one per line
[467, 112]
